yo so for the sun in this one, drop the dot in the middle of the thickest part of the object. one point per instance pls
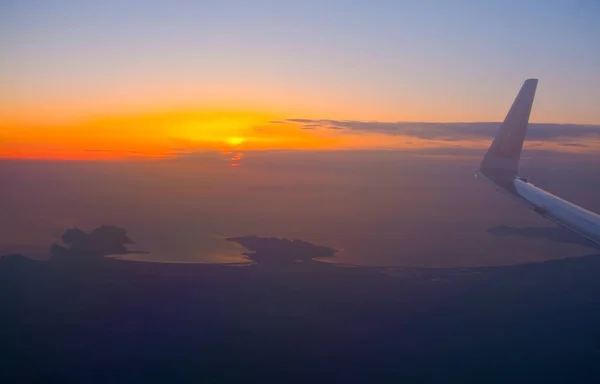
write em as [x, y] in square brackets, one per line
[235, 141]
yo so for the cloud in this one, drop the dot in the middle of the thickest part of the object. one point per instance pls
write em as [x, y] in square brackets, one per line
[455, 131]
[298, 121]
[311, 126]
[100, 150]
[577, 145]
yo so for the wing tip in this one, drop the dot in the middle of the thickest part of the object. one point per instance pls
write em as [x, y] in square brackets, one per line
[501, 161]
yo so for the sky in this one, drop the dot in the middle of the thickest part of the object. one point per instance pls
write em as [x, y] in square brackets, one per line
[111, 79]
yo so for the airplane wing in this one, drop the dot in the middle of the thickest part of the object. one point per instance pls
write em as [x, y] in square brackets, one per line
[500, 166]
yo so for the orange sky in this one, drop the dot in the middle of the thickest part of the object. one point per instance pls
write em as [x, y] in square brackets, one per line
[155, 136]
[166, 135]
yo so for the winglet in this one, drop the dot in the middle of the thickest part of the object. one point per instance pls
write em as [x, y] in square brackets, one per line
[501, 162]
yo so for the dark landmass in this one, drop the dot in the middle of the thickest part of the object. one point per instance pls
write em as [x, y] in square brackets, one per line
[281, 251]
[92, 319]
[102, 241]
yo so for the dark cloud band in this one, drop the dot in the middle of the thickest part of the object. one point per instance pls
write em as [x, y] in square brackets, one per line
[453, 131]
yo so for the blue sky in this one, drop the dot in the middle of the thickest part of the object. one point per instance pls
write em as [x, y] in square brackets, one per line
[382, 60]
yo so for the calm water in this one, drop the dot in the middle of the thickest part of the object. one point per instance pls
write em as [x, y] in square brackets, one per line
[375, 207]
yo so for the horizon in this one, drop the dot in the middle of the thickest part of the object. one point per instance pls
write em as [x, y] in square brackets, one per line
[299, 191]
[148, 77]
